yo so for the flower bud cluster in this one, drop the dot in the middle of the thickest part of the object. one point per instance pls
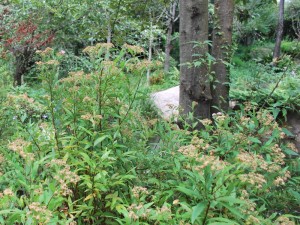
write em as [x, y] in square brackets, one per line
[39, 212]
[255, 179]
[137, 191]
[18, 146]
[64, 176]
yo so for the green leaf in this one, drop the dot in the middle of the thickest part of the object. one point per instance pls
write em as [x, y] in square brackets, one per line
[295, 194]
[85, 130]
[254, 140]
[290, 152]
[287, 132]
[231, 199]
[1, 220]
[198, 210]
[85, 156]
[23, 118]
[8, 211]
[276, 111]
[100, 139]
[232, 209]
[221, 221]
[189, 192]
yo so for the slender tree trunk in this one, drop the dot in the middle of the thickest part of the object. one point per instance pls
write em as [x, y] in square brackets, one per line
[109, 35]
[222, 40]
[169, 36]
[150, 50]
[195, 96]
[22, 62]
[168, 47]
[279, 32]
[19, 70]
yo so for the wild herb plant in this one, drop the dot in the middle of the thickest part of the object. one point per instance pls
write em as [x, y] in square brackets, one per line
[87, 149]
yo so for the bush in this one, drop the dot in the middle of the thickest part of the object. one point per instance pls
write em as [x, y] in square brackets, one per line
[157, 77]
[238, 61]
[291, 48]
[262, 52]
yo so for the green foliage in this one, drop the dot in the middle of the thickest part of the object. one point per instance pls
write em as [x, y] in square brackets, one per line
[256, 19]
[5, 74]
[291, 48]
[262, 52]
[81, 150]
[84, 145]
[256, 81]
[237, 61]
[292, 11]
[101, 156]
[253, 76]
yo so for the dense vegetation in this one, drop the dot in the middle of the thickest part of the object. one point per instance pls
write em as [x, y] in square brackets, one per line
[82, 143]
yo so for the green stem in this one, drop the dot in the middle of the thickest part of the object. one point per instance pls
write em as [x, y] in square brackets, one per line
[53, 115]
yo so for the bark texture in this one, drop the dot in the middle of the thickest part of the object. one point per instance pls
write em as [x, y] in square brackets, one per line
[194, 81]
[279, 32]
[22, 65]
[221, 50]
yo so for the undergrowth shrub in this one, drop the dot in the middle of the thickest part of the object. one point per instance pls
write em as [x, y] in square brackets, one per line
[256, 82]
[98, 159]
[291, 48]
[83, 162]
[157, 77]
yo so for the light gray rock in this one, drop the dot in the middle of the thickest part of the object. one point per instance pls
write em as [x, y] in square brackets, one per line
[167, 102]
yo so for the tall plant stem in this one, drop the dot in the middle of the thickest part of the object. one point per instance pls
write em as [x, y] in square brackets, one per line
[134, 97]
[56, 136]
[206, 213]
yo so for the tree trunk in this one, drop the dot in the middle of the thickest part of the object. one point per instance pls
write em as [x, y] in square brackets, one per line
[195, 96]
[109, 35]
[150, 49]
[22, 63]
[222, 40]
[19, 70]
[279, 32]
[168, 47]
[169, 36]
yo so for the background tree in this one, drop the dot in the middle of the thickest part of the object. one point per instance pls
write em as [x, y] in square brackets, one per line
[195, 95]
[254, 20]
[279, 32]
[22, 39]
[293, 16]
[171, 19]
[221, 51]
